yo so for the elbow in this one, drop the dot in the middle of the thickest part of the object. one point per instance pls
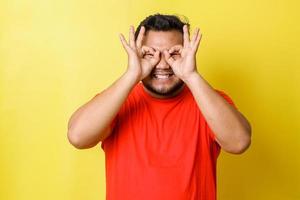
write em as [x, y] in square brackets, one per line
[73, 136]
[75, 140]
[241, 147]
[243, 143]
[80, 141]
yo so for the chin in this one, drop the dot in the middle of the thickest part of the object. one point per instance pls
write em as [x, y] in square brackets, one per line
[163, 86]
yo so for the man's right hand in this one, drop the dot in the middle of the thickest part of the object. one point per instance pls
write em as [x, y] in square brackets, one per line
[141, 59]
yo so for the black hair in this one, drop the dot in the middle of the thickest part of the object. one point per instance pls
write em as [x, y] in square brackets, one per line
[160, 22]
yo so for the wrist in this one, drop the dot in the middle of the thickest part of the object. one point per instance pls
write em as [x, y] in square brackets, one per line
[190, 78]
[132, 76]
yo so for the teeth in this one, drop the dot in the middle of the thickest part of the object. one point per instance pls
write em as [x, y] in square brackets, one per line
[165, 76]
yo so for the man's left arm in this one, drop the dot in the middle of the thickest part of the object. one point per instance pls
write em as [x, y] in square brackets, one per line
[231, 128]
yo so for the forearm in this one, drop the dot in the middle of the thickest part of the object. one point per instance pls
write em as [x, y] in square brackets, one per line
[88, 123]
[231, 128]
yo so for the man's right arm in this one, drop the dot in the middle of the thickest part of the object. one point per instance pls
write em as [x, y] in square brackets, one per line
[90, 123]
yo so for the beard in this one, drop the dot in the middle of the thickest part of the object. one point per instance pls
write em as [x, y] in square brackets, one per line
[164, 89]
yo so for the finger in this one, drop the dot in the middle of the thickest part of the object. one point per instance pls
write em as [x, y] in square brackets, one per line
[140, 37]
[197, 42]
[147, 49]
[124, 42]
[168, 57]
[176, 48]
[131, 37]
[156, 57]
[195, 35]
[186, 37]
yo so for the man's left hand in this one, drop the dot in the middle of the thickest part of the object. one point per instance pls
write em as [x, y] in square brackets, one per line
[182, 59]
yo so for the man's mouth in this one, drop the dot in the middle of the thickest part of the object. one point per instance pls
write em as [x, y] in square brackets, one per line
[162, 75]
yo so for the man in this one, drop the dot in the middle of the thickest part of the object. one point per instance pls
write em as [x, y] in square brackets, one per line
[161, 124]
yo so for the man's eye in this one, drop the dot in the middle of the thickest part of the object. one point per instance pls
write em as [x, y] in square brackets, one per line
[175, 55]
[148, 55]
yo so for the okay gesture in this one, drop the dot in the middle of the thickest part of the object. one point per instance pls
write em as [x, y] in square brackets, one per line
[138, 62]
[185, 65]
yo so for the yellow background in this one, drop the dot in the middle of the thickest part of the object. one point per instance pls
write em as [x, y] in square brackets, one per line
[55, 55]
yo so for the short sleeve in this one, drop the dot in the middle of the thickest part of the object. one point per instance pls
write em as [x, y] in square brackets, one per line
[112, 126]
[230, 101]
[114, 123]
[227, 98]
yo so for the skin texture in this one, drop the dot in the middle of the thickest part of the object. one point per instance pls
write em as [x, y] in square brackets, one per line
[163, 41]
[152, 53]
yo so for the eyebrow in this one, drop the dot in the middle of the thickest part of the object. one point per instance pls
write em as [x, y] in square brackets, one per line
[161, 51]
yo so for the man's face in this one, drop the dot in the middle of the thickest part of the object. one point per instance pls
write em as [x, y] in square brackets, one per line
[162, 81]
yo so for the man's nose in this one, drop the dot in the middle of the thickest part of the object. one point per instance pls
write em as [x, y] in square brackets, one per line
[162, 64]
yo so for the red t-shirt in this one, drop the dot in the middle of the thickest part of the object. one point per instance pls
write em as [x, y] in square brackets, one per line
[161, 149]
